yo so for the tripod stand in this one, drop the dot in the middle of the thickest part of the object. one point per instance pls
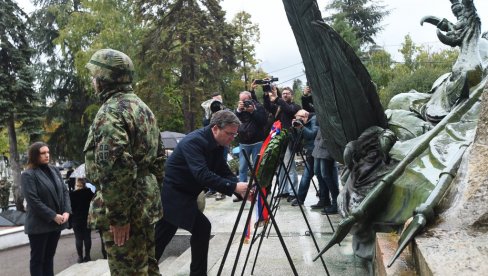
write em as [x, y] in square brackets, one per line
[273, 221]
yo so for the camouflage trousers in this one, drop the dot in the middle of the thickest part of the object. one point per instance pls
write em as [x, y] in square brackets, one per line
[4, 193]
[136, 256]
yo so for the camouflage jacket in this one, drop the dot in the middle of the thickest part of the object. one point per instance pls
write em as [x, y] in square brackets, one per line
[124, 159]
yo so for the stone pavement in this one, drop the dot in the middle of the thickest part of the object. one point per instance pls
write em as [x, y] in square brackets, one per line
[271, 258]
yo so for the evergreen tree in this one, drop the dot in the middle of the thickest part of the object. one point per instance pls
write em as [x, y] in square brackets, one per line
[297, 89]
[188, 53]
[364, 16]
[59, 79]
[17, 97]
[247, 35]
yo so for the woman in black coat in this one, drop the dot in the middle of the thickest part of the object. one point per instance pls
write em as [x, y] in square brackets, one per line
[80, 203]
[48, 208]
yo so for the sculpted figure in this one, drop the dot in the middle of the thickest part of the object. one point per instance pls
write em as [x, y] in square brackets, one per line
[401, 164]
[467, 70]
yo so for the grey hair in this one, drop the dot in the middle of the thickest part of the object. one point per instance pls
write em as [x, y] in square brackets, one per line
[223, 118]
[247, 93]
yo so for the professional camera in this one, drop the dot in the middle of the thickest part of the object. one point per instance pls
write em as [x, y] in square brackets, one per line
[265, 81]
[247, 103]
[297, 123]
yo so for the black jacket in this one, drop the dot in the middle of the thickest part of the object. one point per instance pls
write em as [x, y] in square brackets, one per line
[307, 103]
[252, 128]
[80, 203]
[44, 199]
[197, 162]
[283, 111]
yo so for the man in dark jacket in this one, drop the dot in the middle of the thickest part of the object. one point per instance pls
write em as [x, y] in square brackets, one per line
[306, 127]
[251, 131]
[284, 109]
[197, 162]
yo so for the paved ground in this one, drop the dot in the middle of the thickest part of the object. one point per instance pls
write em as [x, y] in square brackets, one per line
[15, 261]
[222, 214]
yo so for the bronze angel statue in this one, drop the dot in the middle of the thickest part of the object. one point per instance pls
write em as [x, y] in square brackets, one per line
[400, 161]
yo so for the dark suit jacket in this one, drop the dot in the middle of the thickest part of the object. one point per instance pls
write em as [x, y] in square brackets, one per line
[197, 162]
[43, 201]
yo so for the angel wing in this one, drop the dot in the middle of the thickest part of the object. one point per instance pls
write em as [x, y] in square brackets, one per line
[345, 98]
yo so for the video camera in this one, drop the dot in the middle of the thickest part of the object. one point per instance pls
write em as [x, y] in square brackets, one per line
[266, 83]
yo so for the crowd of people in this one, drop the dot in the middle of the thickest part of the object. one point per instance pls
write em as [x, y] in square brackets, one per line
[306, 142]
[141, 199]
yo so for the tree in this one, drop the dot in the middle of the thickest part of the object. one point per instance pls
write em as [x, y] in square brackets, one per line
[247, 35]
[188, 53]
[419, 71]
[364, 16]
[58, 79]
[297, 88]
[78, 29]
[380, 67]
[347, 32]
[17, 97]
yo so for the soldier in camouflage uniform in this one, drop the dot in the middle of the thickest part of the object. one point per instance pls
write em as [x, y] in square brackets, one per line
[124, 160]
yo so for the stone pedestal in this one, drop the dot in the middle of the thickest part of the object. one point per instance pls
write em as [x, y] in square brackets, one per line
[457, 244]
[386, 244]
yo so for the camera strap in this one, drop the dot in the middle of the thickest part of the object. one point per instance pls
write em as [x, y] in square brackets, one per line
[278, 110]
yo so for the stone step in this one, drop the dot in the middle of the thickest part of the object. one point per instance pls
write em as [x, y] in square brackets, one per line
[181, 265]
[386, 245]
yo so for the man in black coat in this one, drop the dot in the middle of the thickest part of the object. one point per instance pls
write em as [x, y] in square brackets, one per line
[197, 162]
[251, 131]
[284, 109]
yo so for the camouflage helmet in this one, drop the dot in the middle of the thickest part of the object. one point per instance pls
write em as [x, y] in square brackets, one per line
[111, 66]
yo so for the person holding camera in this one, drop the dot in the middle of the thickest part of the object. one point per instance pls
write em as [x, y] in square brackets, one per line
[306, 127]
[307, 100]
[284, 109]
[251, 132]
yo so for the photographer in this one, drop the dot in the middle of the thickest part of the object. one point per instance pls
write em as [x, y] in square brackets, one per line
[307, 100]
[284, 109]
[305, 126]
[251, 133]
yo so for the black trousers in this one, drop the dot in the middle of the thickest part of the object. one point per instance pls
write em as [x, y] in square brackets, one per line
[43, 248]
[200, 237]
[82, 236]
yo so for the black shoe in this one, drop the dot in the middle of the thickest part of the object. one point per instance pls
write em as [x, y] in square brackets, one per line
[318, 205]
[329, 210]
[80, 259]
[296, 202]
[290, 198]
[86, 259]
[220, 197]
[211, 194]
[282, 195]
[237, 199]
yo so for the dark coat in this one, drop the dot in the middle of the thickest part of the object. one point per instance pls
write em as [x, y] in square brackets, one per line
[283, 111]
[309, 131]
[44, 199]
[80, 204]
[197, 162]
[252, 128]
[307, 103]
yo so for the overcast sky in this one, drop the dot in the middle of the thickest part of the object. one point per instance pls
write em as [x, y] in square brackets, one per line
[277, 48]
